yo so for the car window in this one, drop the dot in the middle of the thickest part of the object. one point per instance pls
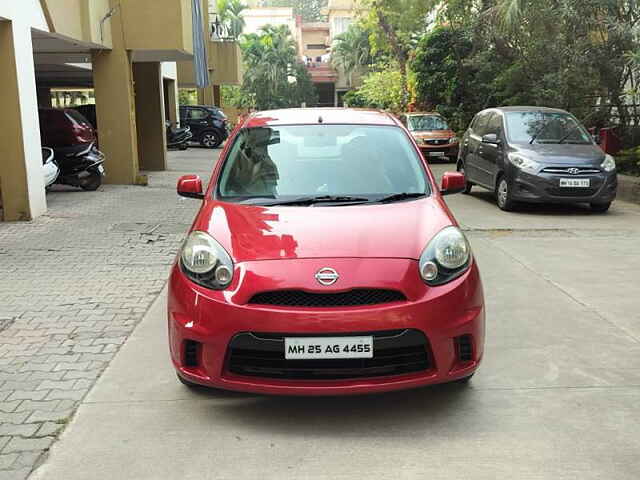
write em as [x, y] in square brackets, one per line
[309, 160]
[426, 123]
[198, 114]
[480, 126]
[545, 127]
[494, 125]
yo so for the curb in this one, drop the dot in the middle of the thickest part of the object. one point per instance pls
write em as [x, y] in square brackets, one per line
[628, 188]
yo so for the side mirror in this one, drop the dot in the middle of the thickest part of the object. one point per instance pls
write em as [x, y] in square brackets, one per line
[453, 182]
[491, 138]
[190, 186]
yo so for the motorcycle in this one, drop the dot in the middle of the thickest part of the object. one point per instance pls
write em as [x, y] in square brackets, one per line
[178, 137]
[82, 169]
[49, 167]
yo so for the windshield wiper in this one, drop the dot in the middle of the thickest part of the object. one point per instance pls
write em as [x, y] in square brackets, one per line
[400, 196]
[537, 134]
[319, 199]
[569, 133]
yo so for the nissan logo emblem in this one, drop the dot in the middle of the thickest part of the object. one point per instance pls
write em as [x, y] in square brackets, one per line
[327, 276]
[573, 171]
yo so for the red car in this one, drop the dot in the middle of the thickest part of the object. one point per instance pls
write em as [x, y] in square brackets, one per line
[324, 261]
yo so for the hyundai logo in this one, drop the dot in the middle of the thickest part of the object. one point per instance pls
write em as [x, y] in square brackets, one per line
[573, 171]
[327, 276]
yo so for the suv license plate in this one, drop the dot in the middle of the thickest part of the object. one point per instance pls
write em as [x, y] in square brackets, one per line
[436, 154]
[306, 348]
[575, 182]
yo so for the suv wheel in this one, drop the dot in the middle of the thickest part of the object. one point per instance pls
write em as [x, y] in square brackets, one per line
[210, 139]
[503, 195]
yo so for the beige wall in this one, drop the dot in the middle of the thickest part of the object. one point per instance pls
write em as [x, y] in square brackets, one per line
[150, 116]
[314, 37]
[157, 24]
[79, 19]
[225, 59]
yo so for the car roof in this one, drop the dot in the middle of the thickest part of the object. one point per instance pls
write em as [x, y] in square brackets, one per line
[411, 114]
[528, 109]
[315, 116]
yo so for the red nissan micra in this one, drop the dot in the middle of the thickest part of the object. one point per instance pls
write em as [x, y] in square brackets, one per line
[324, 261]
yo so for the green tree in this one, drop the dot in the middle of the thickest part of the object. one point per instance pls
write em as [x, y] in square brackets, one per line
[381, 89]
[351, 51]
[274, 78]
[230, 13]
[397, 24]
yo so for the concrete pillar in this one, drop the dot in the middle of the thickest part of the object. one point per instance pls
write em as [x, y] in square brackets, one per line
[22, 191]
[205, 96]
[115, 107]
[44, 97]
[217, 95]
[171, 101]
[149, 93]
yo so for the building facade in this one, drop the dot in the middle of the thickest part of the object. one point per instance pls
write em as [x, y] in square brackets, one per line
[123, 50]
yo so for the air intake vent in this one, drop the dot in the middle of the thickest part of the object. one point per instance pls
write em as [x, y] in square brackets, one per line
[464, 348]
[395, 353]
[300, 298]
[191, 353]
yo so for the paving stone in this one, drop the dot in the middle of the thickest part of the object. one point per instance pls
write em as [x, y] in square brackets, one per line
[24, 430]
[18, 444]
[100, 281]
[8, 460]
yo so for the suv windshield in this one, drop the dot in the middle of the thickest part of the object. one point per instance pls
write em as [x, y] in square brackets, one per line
[426, 123]
[348, 162]
[545, 127]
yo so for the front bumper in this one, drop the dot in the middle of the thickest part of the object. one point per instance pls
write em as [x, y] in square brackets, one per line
[545, 188]
[449, 150]
[214, 320]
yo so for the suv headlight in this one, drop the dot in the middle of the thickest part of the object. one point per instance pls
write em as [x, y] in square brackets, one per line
[523, 163]
[446, 257]
[453, 139]
[609, 164]
[205, 261]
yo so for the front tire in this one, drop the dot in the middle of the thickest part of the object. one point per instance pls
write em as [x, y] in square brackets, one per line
[91, 182]
[600, 207]
[210, 139]
[503, 195]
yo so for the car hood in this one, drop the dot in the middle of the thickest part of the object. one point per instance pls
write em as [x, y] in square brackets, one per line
[396, 230]
[562, 154]
[433, 134]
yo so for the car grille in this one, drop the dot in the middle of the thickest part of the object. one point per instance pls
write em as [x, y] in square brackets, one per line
[565, 171]
[300, 298]
[436, 142]
[395, 352]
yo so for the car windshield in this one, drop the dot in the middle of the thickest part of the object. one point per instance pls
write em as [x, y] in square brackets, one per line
[217, 112]
[545, 127]
[346, 162]
[426, 123]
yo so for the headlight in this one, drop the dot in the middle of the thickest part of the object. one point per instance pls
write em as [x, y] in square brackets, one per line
[609, 164]
[453, 139]
[524, 163]
[446, 257]
[205, 261]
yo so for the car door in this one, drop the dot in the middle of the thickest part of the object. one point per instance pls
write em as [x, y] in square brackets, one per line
[490, 154]
[198, 120]
[473, 141]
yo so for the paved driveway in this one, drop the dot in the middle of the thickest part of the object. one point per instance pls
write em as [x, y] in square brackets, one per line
[557, 397]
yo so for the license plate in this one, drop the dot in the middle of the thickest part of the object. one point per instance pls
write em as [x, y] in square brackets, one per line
[575, 182]
[306, 348]
[436, 154]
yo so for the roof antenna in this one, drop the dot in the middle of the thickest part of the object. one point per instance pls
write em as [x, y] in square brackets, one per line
[320, 119]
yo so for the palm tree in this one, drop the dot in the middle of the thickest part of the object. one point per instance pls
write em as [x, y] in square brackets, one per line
[351, 51]
[230, 12]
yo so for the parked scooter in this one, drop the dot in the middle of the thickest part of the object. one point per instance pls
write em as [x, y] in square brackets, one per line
[83, 169]
[178, 137]
[49, 166]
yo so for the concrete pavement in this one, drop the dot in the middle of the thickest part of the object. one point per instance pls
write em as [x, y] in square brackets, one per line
[556, 398]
